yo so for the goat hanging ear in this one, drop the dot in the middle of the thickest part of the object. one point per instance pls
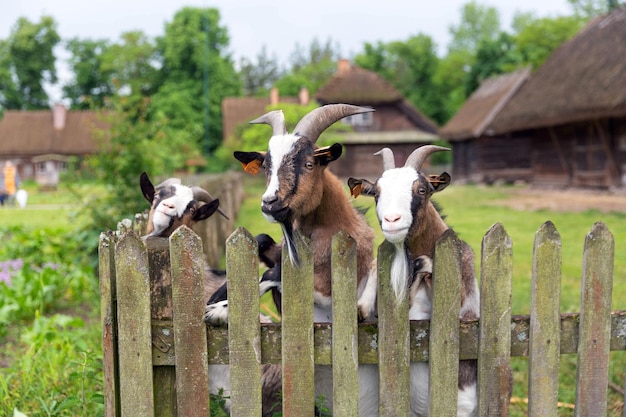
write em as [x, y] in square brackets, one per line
[147, 189]
[361, 186]
[206, 210]
[325, 155]
[439, 182]
[251, 161]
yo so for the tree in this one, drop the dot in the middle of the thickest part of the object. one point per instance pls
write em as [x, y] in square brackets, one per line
[258, 77]
[92, 82]
[27, 62]
[197, 73]
[587, 9]
[537, 38]
[477, 23]
[310, 68]
[410, 67]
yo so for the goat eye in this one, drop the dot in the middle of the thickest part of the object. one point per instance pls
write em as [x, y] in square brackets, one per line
[308, 165]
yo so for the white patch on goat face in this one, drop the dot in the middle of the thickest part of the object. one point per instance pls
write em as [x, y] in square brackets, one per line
[171, 207]
[279, 146]
[393, 207]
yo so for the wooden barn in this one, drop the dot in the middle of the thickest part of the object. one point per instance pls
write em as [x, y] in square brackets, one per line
[564, 125]
[396, 123]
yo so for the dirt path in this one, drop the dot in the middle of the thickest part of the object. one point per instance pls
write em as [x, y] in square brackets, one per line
[565, 200]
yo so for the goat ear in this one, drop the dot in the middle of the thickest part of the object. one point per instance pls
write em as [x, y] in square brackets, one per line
[146, 187]
[206, 210]
[361, 186]
[251, 161]
[439, 182]
[328, 154]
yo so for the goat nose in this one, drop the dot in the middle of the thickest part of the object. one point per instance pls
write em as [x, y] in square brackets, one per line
[168, 204]
[392, 218]
[270, 199]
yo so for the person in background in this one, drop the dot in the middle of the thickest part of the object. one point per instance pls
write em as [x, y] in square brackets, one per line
[9, 183]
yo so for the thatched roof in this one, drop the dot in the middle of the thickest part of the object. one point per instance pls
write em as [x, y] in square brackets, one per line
[361, 87]
[584, 78]
[31, 133]
[483, 105]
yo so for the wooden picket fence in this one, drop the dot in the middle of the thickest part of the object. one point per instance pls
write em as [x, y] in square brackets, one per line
[157, 348]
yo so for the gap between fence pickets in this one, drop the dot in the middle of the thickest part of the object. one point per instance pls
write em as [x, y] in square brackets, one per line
[519, 346]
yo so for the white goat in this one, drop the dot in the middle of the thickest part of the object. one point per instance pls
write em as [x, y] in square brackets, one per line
[411, 222]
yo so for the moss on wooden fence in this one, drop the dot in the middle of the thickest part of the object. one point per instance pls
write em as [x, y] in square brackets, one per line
[157, 348]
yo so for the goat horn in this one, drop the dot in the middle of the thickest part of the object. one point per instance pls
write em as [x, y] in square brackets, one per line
[418, 156]
[168, 183]
[388, 159]
[200, 194]
[316, 121]
[276, 119]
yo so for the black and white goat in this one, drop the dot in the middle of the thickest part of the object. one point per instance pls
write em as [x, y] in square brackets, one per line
[303, 195]
[411, 222]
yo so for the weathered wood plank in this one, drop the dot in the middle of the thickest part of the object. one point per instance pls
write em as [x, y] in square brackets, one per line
[108, 317]
[444, 327]
[192, 374]
[158, 249]
[345, 357]
[494, 382]
[297, 332]
[545, 321]
[243, 323]
[368, 340]
[135, 340]
[393, 341]
[595, 322]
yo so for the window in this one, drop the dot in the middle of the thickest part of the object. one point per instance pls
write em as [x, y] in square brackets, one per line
[361, 119]
[41, 167]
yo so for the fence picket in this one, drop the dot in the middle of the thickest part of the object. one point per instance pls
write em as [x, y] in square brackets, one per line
[345, 357]
[134, 330]
[393, 341]
[108, 316]
[297, 332]
[444, 327]
[595, 322]
[188, 309]
[243, 324]
[545, 322]
[494, 382]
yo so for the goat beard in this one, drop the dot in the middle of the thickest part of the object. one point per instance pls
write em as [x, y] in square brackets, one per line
[292, 250]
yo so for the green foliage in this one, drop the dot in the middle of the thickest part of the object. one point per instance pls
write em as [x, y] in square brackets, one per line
[259, 77]
[26, 63]
[477, 23]
[310, 68]
[197, 75]
[92, 83]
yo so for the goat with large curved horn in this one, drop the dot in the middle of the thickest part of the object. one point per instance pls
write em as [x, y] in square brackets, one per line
[316, 121]
[418, 156]
[276, 119]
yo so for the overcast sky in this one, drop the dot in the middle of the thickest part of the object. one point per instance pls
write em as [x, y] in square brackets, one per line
[279, 25]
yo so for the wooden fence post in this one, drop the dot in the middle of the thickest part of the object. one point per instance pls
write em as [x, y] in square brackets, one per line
[190, 339]
[243, 324]
[108, 315]
[545, 324]
[134, 331]
[494, 377]
[297, 332]
[345, 355]
[595, 323]
[393, 341]
[444, 327]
